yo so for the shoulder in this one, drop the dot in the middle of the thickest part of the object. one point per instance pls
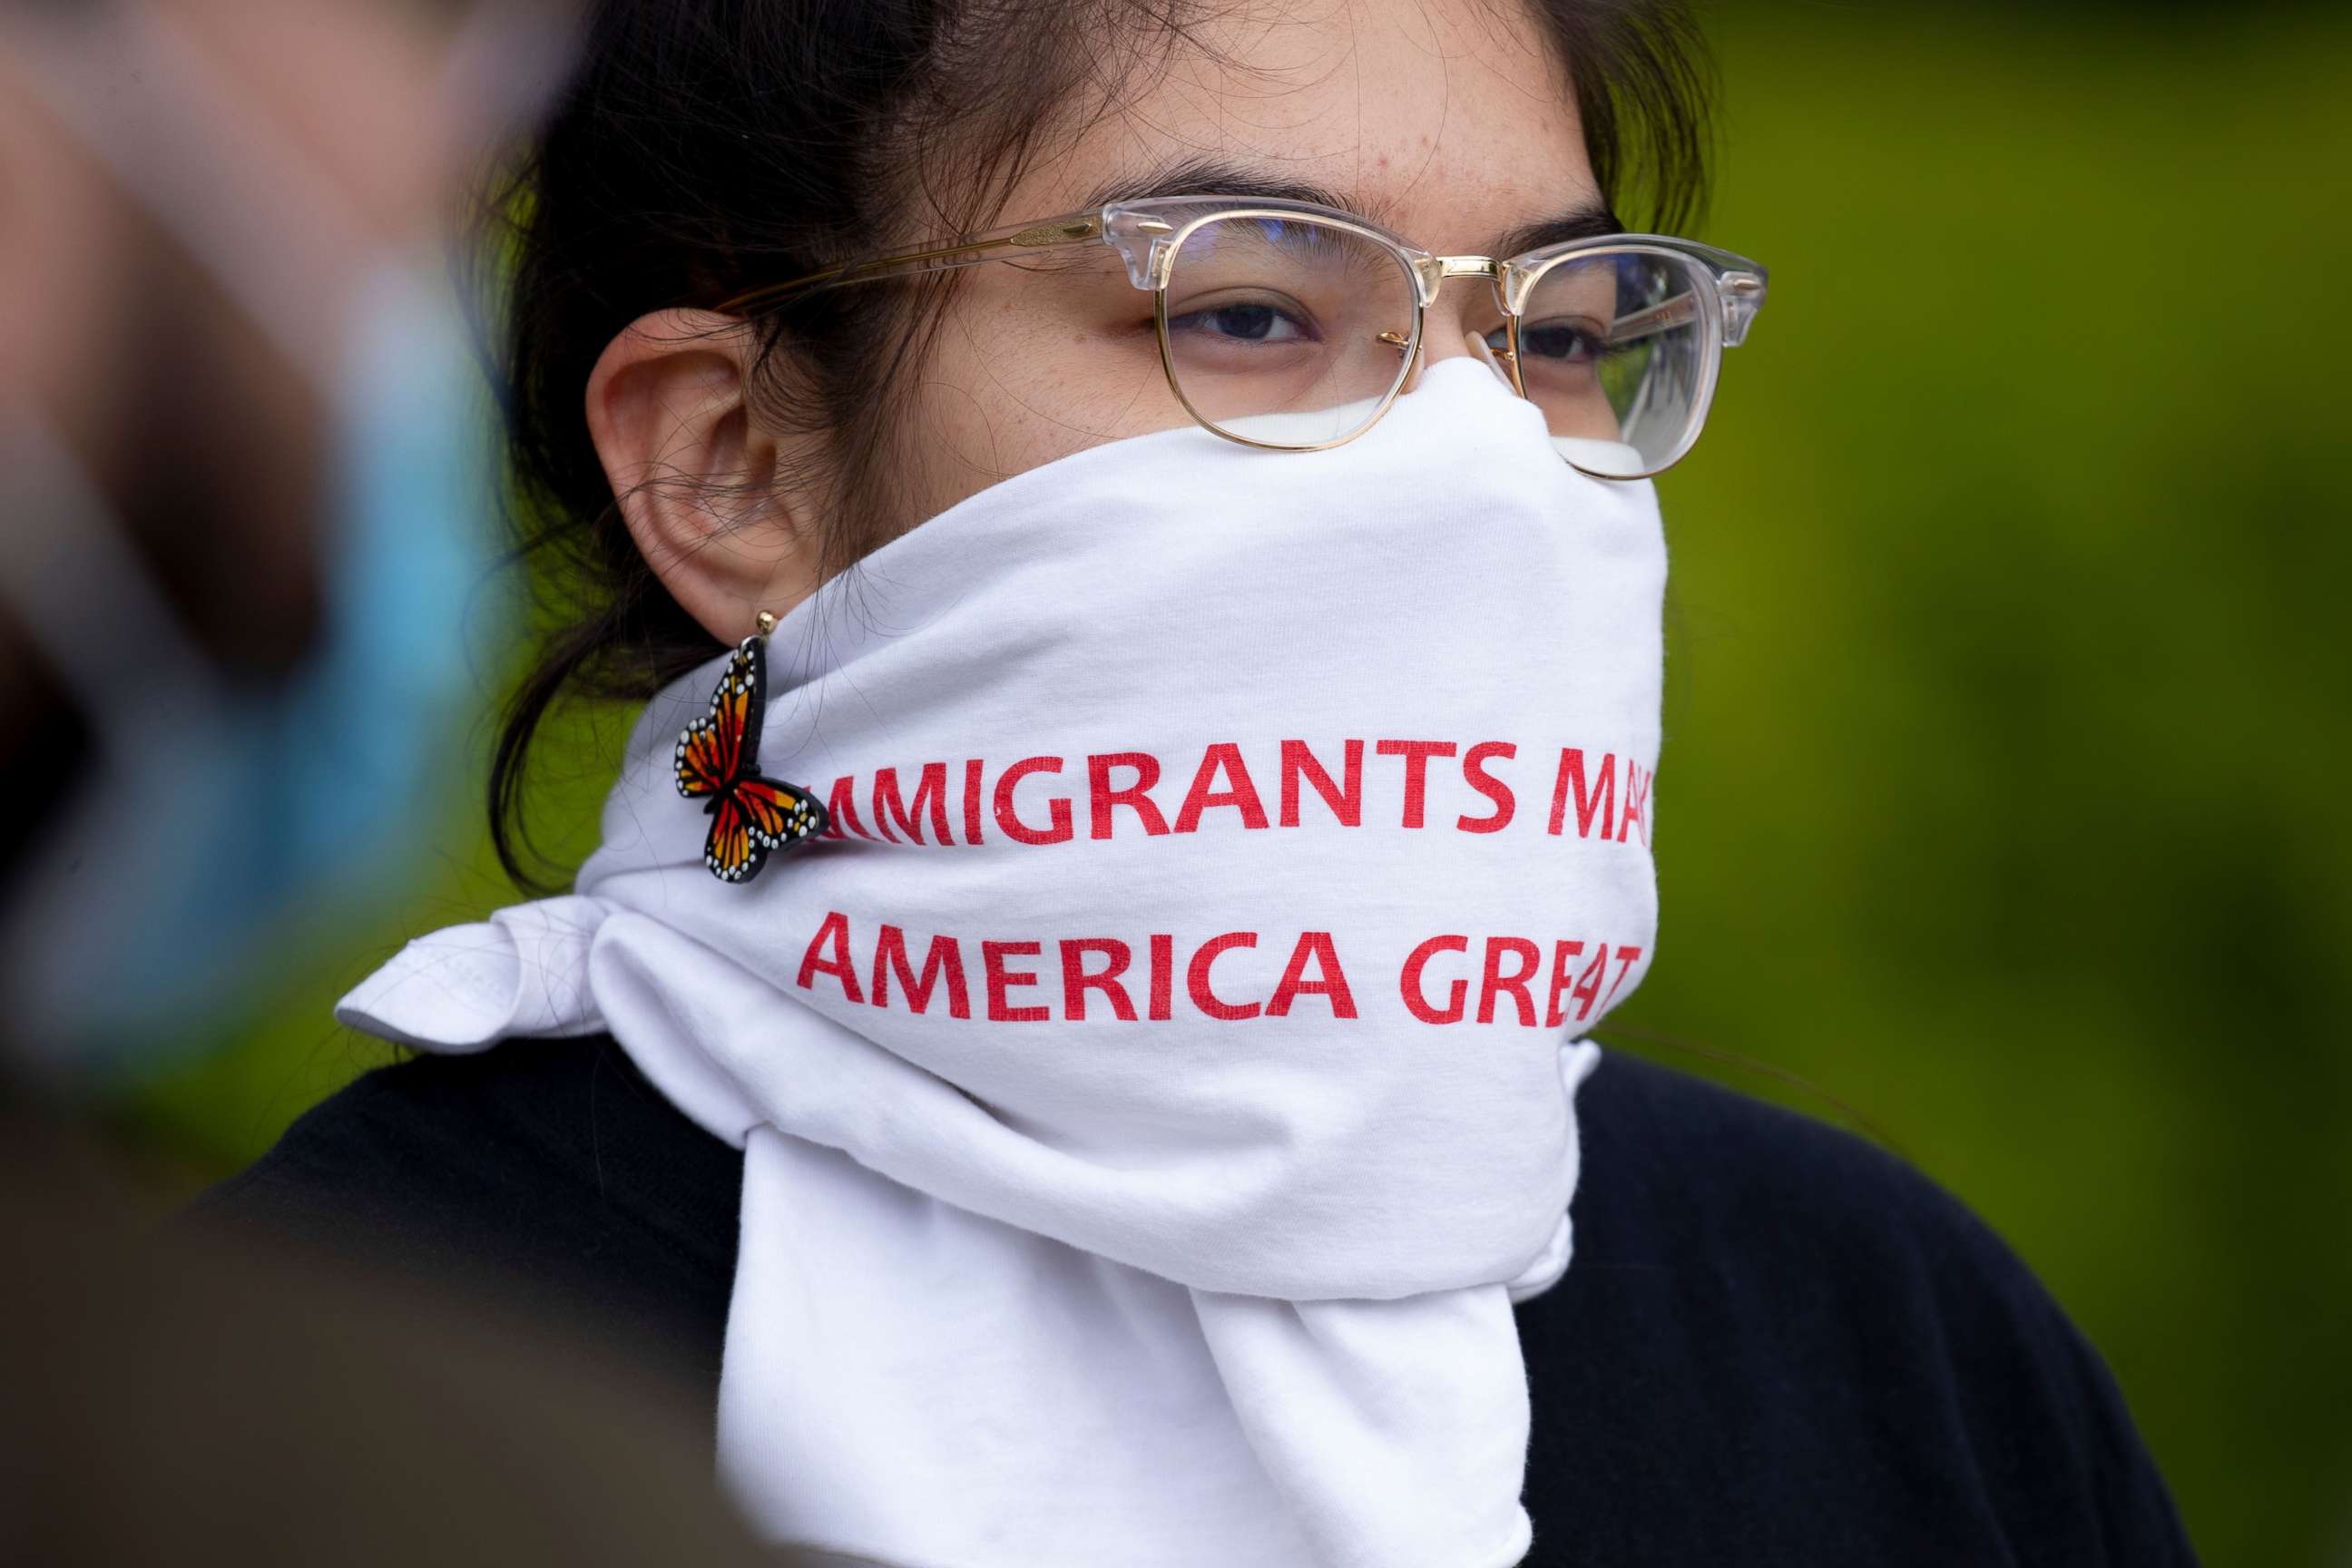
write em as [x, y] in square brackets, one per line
[1816, 1332]
[545, 1170]
[1678, 1158]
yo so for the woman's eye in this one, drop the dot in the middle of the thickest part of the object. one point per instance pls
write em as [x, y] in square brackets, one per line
[1561, 341]
[1242, 320]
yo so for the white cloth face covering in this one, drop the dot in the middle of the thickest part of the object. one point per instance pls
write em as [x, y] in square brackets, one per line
[1157, 1084]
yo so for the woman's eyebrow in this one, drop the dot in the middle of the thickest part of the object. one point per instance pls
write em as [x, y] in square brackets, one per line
[1587, 220]
[1213, 176]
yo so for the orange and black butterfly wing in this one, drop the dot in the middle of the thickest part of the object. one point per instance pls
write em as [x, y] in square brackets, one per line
[779, 813]
[733, 852]
[717, 749]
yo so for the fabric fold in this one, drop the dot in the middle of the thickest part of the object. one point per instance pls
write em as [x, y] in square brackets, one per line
[523, 972]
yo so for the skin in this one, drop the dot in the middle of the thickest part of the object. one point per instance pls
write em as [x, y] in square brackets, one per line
[1475, 139]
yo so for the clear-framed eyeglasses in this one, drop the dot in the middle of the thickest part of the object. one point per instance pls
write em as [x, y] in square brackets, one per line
[1292, 326]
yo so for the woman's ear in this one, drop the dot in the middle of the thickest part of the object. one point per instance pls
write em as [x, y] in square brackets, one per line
[698, 484]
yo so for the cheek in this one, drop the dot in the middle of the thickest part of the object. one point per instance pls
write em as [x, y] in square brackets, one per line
[1024, 372]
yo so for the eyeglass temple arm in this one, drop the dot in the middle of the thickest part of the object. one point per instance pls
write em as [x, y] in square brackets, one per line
[1071, 228]
[1744, 295]
[1678, 311]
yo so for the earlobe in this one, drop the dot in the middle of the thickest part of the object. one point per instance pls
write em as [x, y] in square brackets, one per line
[695, 478]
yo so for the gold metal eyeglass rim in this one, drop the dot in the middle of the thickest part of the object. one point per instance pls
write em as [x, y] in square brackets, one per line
[1727, 290]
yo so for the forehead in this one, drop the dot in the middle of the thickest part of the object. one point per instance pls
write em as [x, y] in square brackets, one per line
[1448, 120]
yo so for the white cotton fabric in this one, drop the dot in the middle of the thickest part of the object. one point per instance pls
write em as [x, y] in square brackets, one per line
[1161, 1292]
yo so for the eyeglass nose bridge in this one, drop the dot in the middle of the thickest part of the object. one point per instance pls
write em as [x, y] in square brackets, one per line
[1430, 271]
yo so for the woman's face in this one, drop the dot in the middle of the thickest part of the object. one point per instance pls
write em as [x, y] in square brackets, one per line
[1447, 122]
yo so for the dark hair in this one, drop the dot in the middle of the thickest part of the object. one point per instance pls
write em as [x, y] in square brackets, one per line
[707, 146]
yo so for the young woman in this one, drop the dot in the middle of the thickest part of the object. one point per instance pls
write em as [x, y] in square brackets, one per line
[1131, 527]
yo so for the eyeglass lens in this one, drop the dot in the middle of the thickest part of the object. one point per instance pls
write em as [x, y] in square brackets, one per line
[1612, 350]
[1293, 333]
[1285, 330]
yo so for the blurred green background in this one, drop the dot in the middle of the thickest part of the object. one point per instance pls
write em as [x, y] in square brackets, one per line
[2008, 693]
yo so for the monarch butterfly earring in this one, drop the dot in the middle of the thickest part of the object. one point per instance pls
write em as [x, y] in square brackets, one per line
[718, 765]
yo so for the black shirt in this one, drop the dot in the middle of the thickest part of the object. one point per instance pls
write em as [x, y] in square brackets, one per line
[1775, 1343]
